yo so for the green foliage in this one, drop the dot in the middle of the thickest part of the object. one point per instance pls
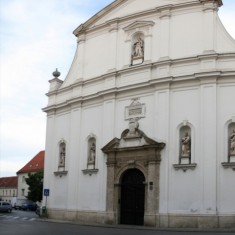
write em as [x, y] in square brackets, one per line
[35, 183]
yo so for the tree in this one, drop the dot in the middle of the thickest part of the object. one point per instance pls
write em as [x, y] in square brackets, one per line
[35, 183]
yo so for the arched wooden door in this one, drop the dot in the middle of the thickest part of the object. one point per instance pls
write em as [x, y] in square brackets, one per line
[132, 197]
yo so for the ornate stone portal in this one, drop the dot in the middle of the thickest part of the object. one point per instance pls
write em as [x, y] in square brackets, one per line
[133, 151]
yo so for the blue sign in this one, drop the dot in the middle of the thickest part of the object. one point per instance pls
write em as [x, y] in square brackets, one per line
[46, 192]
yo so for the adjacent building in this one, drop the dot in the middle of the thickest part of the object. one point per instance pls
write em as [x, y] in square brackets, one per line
[142, 129]
[34, 165]
[8, 189]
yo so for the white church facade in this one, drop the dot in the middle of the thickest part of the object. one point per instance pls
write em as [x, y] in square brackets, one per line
[142, 129]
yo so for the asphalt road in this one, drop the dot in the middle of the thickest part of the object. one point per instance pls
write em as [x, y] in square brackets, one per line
[27, 223]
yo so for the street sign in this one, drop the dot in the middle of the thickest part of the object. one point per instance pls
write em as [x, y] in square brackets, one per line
[46, 192]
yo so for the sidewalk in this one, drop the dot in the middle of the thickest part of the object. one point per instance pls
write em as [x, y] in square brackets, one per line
[133, 227]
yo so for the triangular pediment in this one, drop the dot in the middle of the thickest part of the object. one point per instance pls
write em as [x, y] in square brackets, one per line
[122, 8]
[139, 24]
[131, 141]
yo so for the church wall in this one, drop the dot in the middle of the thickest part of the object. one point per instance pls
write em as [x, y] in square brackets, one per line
[74, 163]
[224, 42]
[96, 55]
[191, 24]
[91, 188]
[192, 192]
[185, 104]
[226, 115]
[60, 184]
[181, 82]
[168, 40]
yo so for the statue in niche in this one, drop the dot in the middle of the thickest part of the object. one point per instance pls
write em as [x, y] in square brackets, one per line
[92, 154]
[133, 128]
[138, 51]
[232, 143]
[186, 145]
[62, 154]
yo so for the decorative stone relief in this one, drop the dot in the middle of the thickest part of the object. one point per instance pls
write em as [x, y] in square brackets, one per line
[134, 150]
[135, 110]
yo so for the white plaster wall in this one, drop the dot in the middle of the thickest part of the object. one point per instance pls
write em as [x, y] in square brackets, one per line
[186, 35]
[91, 187]
[225, 42]
[184, 190]
[96, 56]
[226, 114]
[183, 34]
[201, 190]
[135, 6]
[191, 93]
[22, 185]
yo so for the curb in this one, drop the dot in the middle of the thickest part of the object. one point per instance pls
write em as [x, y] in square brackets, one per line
[131, 227]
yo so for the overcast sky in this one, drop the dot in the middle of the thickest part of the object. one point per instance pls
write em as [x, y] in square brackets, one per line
[35, 38]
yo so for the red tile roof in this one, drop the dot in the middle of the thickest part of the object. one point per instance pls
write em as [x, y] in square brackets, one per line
[9, 182]
[34, 165]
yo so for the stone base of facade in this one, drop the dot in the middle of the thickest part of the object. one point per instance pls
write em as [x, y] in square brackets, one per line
[159, 221]
[197, 221]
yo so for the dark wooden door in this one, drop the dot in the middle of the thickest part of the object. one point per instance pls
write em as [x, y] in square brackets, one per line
[132, 197]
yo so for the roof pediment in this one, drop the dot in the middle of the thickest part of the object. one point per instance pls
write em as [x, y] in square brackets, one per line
[121, 8]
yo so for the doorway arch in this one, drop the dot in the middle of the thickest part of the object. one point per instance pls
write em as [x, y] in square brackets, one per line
[136, 158]
[132, 204]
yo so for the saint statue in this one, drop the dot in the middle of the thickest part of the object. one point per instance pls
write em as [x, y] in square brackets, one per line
[62, 155]
[92, 154]
[186, 145]
[138, 48]
[133, 127]
[232, 143]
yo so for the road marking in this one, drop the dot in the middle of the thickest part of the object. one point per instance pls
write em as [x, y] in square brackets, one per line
[11, 217]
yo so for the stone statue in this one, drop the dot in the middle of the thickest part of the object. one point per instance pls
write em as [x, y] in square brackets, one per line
[138, 48]
[91, 159]
[62, 155]
[133, 127]
[232, 143]
[186, 145]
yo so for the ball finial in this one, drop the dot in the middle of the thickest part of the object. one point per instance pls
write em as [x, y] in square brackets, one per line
[56, 73]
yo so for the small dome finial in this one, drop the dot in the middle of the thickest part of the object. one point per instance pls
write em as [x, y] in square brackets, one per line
[56, 73]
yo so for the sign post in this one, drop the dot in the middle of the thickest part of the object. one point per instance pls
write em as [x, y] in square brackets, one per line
[46, 194]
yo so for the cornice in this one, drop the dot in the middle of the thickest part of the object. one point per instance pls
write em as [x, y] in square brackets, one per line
[162, 11]
[153, 84]
[200, 77]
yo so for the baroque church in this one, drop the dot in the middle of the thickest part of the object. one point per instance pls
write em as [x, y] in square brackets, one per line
[141, 131]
